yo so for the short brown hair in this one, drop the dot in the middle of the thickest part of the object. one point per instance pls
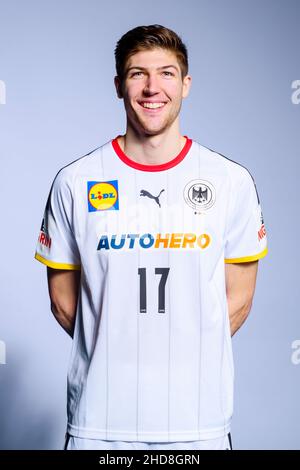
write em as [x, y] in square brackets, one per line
[147, 38]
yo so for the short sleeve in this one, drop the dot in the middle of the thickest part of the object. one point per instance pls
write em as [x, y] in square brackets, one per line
[246, 238]
[56, 246]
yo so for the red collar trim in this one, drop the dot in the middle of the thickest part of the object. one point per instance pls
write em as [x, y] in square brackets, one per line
[161, 167]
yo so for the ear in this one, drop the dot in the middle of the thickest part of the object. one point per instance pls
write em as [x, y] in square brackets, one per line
[118, 86]
[186, 85]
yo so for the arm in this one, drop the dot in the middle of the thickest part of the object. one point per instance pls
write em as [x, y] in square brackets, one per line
[240, 286]
[63, 288]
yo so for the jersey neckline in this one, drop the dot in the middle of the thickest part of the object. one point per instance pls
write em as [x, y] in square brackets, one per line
[140, 166]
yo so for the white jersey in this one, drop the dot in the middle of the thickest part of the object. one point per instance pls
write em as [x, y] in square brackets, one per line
[152, 356]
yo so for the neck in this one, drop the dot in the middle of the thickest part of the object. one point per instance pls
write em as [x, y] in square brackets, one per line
[153, 149]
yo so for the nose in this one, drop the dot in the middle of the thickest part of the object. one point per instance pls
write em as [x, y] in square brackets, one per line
[151, 85]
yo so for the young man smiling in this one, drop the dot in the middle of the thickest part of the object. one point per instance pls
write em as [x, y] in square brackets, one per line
[152, 86]
[152, 243]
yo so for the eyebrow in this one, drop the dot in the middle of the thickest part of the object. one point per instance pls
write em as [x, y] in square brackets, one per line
[159, 68]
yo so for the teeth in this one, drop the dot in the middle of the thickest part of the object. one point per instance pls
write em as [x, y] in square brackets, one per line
[153, 105]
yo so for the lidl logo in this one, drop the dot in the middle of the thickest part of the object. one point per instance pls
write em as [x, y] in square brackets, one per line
[103, 196]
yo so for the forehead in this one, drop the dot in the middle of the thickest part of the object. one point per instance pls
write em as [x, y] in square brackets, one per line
[153, 58]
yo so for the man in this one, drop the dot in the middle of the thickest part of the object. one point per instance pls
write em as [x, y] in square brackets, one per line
[152, 243]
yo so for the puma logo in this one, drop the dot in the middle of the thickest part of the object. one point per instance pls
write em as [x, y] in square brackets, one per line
[147, 194]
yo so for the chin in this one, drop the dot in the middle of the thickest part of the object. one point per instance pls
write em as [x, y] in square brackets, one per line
[143, 127]
[155, 130]
[150, 132]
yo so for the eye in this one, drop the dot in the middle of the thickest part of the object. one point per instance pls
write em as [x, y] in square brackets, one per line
[167, 73]
[137, 74]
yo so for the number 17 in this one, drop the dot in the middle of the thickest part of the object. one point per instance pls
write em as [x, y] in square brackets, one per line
[164, 272]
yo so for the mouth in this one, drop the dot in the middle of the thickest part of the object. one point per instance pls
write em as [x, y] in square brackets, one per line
[150, 106]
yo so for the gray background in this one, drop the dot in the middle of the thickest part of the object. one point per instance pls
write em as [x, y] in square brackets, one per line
[56, 59]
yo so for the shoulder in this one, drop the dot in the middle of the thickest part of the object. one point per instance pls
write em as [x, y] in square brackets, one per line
[81, 166]
[234, 170]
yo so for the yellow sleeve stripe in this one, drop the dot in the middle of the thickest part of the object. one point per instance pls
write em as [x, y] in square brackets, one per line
[52, 264]
[246, 259]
